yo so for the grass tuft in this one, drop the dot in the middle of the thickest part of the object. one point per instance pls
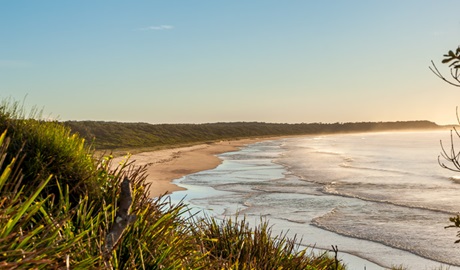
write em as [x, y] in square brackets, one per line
[233, 244]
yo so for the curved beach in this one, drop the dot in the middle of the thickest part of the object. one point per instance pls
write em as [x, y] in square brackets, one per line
[170, 164]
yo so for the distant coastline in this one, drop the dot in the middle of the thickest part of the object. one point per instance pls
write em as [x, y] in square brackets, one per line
[183, 155]
[117, 136]
[176, 150]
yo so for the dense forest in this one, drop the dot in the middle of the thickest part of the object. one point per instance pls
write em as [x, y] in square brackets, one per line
[112, 135]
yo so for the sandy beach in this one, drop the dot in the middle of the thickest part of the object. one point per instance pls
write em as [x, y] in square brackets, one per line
[169, 164]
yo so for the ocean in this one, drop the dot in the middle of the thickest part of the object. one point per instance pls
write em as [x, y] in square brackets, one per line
[381, 198]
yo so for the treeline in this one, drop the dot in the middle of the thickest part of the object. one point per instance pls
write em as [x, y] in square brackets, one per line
[112, 135]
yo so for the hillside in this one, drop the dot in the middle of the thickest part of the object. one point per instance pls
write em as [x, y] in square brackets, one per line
[113, 135]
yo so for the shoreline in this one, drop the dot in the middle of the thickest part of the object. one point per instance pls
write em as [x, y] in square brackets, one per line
[167, 165]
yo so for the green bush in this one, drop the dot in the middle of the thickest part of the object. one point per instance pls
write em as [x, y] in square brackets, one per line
[45, 231]
[32, 235]
[49, 148]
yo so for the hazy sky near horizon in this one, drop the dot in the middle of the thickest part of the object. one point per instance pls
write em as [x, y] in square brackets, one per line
[242, 60]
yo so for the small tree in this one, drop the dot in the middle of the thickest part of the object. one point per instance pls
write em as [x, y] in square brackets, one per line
[451, 158]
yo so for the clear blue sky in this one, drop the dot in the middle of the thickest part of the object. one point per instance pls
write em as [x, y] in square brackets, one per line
[242, 60]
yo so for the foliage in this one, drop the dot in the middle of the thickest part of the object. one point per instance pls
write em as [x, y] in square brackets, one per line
[33, 234]
[49, 148]
[454, 59]
[233, 244]
[112, 135]
[450, 159]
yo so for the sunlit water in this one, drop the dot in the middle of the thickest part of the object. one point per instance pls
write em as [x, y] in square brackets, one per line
[381, 197]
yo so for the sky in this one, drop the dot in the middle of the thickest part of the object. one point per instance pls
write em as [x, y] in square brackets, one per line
[201, 61]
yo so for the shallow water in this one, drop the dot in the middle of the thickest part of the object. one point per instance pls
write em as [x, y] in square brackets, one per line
[378, 196]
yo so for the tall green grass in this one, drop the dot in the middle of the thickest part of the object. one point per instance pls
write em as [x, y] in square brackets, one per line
[49, 149]
[32, 234]
[233, 244]
[44, 231]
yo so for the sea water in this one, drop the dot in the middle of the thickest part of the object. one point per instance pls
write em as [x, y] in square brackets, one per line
[381, 198]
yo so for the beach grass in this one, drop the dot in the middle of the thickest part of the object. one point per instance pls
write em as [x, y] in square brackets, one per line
[236, 245]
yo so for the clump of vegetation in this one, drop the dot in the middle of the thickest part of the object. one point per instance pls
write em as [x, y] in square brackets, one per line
[58, 203]
[49, 149]
[233, 244]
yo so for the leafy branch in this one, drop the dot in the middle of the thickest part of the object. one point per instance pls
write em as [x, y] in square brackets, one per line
[451, 156]
[454, 59]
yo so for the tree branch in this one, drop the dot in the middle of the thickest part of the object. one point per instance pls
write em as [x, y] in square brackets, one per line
[122, 220]
[436, 71]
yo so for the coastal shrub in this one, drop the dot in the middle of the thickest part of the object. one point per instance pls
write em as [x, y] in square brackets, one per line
[233, 244]
[72, 198]
[32, 235]
[44, 231]
[49, 148]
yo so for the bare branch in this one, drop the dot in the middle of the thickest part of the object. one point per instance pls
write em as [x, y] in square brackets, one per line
[122, 220]
[436, 71]
[451, 156]
[335, 249]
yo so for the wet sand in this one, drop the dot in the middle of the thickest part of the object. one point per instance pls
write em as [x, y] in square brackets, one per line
[170, 164]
